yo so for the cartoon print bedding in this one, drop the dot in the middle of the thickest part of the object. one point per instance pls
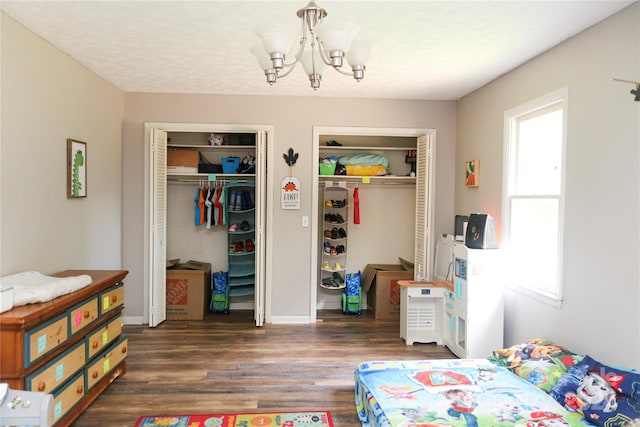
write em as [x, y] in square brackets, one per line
[464, 392]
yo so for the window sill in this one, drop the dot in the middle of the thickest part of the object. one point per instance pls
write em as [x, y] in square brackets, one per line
[536, 295]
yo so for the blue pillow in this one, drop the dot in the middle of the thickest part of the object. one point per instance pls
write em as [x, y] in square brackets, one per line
[605, 396]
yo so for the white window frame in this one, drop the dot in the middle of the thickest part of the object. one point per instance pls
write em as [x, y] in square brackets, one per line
[511, 117]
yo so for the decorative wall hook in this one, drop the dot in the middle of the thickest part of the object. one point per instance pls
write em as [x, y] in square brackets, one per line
[636, 91]
[290, 157]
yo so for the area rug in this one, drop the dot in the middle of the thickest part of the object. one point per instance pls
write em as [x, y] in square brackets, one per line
[266, 419]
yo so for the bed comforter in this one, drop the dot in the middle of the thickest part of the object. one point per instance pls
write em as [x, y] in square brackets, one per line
[460, 392]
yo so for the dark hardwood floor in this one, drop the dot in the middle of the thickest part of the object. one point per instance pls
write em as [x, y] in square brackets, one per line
[226, 364]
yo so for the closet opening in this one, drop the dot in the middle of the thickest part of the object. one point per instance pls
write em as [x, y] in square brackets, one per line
[207, 208]
[385, 178]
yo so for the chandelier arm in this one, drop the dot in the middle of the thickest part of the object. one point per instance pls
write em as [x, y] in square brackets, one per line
[290, 67]
[323, 52]
[302, 44]
[341, 71]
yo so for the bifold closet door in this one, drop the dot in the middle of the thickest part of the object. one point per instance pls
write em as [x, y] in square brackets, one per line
[158, 228]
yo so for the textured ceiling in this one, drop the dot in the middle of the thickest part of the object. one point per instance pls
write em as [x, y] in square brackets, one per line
[436, 50]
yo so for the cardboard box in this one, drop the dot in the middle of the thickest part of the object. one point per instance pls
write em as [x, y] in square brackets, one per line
[182, 160]
[188, 290]
[380, 281]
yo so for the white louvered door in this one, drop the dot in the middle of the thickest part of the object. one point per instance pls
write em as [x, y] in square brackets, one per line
[158, 231]
[424, 208]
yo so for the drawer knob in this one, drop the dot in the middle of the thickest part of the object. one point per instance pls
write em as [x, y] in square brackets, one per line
[114, 298]
[124, 349]
[94, 374]
[95, 344]
[79, 389]
[42, 386]
[87, 314]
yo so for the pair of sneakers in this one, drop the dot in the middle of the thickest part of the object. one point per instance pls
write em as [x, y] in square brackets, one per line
[238, 247]
[334, 218]
[243, 226]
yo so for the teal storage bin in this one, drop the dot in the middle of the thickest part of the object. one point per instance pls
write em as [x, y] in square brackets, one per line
[230, 164]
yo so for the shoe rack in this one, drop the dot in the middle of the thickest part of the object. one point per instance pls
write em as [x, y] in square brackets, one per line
[240, 209]
[334, 238]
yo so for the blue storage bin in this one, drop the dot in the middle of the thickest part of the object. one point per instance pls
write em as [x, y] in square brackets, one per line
[230, 164]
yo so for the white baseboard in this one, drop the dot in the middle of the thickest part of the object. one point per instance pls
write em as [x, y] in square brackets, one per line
[290, 319]
[133, 320]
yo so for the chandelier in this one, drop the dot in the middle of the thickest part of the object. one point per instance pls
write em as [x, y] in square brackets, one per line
[330, 44]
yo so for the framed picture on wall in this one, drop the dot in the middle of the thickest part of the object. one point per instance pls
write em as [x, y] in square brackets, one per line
[471, 173]
[76, 169]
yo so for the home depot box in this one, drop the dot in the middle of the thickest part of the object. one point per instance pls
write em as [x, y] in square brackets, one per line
[188, 287]
[182, 160]
[380, 281]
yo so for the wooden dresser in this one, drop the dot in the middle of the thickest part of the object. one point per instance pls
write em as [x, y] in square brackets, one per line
[71, 347]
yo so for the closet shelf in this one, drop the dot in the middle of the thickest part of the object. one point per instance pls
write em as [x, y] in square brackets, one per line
[241, 253]
[370, 148]
[191, 177]
[358, 179]
[330, 270]
[213, 147]
[242, 281]
[242, 231]
[241, 211]
[342, 286]
[241, 291]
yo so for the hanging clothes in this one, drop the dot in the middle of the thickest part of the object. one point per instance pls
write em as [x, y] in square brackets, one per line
[201, 200]
[218, 206]
[197, 208]
[356, 206]
[209, 207]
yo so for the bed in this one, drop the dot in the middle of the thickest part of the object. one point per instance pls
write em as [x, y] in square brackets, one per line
[460, 392]
[536, 383]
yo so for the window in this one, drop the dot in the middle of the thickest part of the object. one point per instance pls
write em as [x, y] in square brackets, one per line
[533, 198]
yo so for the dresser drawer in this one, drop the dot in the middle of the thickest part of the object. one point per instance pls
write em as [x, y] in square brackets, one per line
[103, 336]
[57, 371]
[111, 299]
[83, 315]
[43, 339]
[67, 397]
[106, 362]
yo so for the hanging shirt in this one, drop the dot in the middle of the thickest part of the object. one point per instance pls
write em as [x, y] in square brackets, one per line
[197, 198]
[201, 199]
[356, 206]
[209, 207]
[218, 206]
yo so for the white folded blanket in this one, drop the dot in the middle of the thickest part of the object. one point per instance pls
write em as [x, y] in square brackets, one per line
[32, 287]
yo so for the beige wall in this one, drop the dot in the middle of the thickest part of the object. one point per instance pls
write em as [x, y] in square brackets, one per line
[48, 97]
[600, 313]
[293, 119]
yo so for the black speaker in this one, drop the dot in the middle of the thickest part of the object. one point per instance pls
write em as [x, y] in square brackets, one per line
[481, 232]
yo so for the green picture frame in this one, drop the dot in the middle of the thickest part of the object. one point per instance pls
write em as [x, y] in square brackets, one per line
[76, 169]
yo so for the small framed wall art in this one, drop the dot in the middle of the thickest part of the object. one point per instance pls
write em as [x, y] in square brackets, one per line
[471, 173]
[76, 169]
